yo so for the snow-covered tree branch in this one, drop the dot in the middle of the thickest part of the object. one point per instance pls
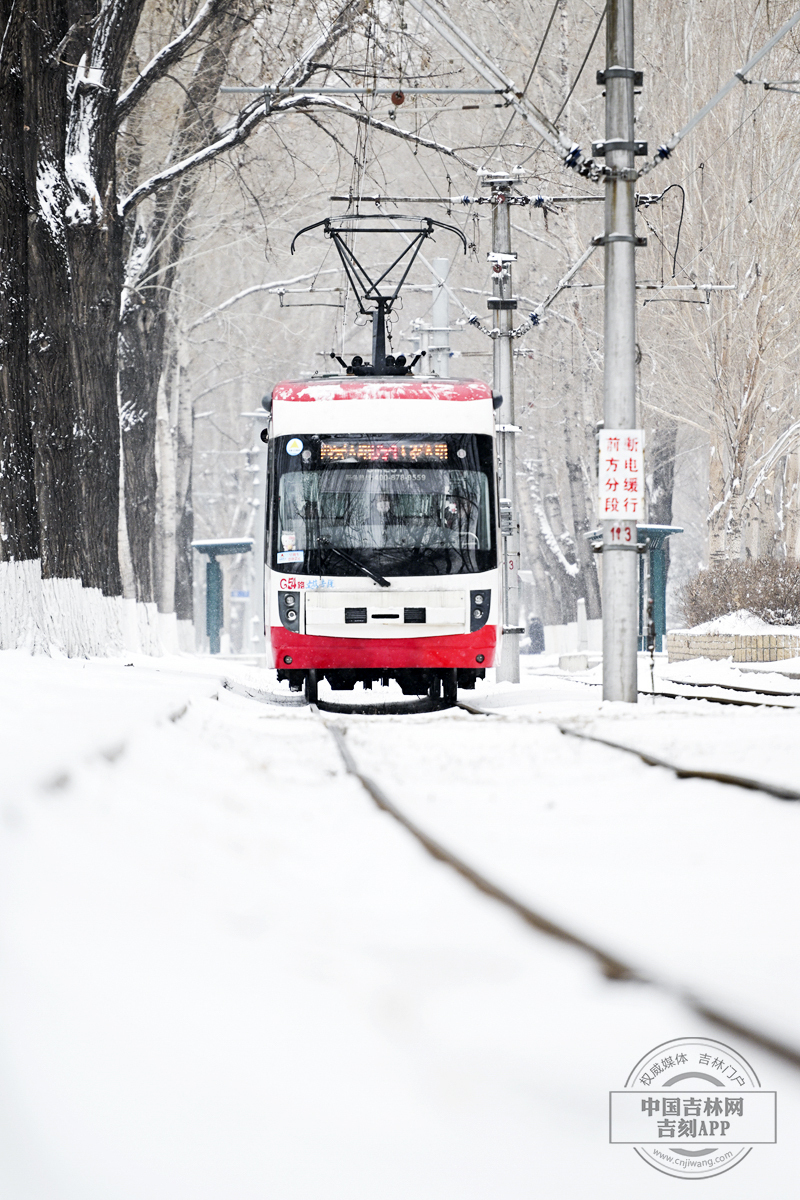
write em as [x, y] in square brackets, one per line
[168, 56]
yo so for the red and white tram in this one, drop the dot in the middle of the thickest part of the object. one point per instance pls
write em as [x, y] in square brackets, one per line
[382, 533]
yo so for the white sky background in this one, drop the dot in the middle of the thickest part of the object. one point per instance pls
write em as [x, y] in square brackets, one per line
[226, 974]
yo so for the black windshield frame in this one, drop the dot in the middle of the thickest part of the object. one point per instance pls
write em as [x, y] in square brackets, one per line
[448, 498]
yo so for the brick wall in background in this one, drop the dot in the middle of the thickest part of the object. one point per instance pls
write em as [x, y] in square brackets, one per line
[750, 647]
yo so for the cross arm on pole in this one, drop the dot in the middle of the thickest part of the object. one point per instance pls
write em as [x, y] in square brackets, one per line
[739, 76]
[569, 153]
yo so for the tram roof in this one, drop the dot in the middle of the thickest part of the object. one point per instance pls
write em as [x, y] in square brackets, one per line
[380, 387]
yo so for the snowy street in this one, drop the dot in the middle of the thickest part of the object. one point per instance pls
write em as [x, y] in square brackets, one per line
[444, 355]
[225, 973]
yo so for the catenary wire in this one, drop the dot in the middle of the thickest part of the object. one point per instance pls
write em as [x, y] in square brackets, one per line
[504, 134]
[575, 81]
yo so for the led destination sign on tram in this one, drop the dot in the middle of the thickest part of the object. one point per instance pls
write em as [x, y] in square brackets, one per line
[385, 451]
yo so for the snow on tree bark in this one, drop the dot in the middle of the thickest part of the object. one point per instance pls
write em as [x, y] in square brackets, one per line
[156, 247]
[53, 397]
[19, 530]
[93, 228]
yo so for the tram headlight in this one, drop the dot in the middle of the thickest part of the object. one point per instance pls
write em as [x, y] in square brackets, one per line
[479, 604]
[289, 608]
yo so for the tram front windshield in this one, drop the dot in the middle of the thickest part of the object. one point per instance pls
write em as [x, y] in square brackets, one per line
[408, 505]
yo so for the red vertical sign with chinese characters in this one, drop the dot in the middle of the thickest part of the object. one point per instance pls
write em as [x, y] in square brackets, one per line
[621, 475]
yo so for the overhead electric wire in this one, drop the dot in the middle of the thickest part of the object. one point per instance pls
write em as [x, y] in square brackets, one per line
[575, 81]
[570, 154]
[665, 150]
[527, 82]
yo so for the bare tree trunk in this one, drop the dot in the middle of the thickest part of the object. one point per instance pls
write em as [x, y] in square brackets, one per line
[790, 510]
[94, 231]
[166, 520]
[139, 371]
[184, 426]
[19, 527]
[557, 550]
[547, 605]
[579, 434]
[96, 266]
[155, 253]
[586, 582]
[52, 395]
[661, 478]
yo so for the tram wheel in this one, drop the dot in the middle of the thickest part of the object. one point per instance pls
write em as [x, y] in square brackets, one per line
[312, 687]
[434, 688]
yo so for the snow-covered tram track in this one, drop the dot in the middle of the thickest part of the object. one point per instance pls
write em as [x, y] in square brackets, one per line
[738, 701]
[683, 772]
[613, 966]
[773, 702]
[748, 783]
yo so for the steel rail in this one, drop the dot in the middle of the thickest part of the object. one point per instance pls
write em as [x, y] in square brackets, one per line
[720, 699]
[652, 760]
[612, 966]
[711, 699]
[734, 687]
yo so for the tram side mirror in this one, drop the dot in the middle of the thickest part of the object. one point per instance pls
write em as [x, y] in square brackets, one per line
[266, 403]
[497, 401]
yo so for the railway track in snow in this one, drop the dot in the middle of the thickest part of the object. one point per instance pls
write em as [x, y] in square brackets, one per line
[612, 966]
[681, 770]
[775, 697]
[748, 783]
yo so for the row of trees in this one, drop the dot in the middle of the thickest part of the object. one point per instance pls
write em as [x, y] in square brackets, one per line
[98, 172]
[718, 369]
[116, 145]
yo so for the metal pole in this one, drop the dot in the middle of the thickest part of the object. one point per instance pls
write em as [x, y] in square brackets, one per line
[213, 603]
[256, 605]
[502, 304]
[439, 345]
[658, 589]
[379, 336]
[619, 383]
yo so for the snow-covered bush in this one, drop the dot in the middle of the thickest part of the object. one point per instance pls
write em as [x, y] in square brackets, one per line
[767, 587]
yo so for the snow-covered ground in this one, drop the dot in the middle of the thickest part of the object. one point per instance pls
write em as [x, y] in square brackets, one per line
[226, 975]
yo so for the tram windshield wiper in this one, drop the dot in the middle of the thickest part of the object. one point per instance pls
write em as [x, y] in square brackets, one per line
[348, 558]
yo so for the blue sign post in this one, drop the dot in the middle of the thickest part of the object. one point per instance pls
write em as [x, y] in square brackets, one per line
[214, 603]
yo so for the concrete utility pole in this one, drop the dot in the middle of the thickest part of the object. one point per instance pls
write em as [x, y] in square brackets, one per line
[502, 305]
[439, 342]
[620, 560]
